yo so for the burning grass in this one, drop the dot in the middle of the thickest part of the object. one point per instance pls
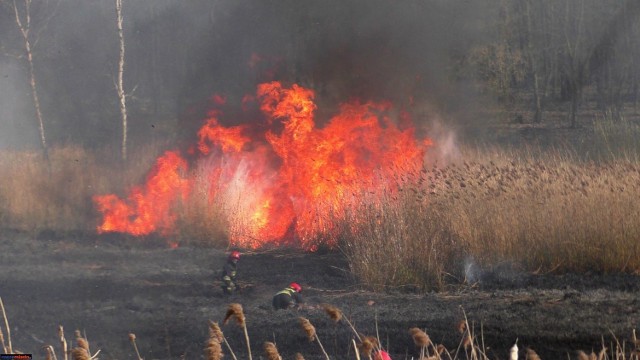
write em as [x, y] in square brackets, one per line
[541, 212]
[56, 196]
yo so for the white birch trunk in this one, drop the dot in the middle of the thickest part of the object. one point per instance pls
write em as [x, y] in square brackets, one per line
[120, 87]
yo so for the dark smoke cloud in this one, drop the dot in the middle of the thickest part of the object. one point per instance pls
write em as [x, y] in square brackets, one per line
[179, 53]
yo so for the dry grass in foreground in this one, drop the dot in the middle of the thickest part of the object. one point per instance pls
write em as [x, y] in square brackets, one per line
[470, 347]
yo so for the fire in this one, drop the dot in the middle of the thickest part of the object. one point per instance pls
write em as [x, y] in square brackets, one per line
[289, 184]
[148, 208]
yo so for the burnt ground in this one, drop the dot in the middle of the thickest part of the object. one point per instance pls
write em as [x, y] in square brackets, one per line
[109, 289]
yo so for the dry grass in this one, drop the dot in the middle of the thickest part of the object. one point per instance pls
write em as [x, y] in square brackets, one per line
[216, 333]
[271, 351]
[471, 347]
[57, 197]
[132, 339]
[310, 331]
[544, 213]
[213, 349]
[9, 348]
[542, 210]
[235, 311]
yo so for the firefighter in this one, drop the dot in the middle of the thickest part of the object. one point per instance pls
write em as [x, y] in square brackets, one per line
[288, 298]
[229, 273]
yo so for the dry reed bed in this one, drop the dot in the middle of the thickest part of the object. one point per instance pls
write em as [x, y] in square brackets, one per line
[545, 213]
[56, 196]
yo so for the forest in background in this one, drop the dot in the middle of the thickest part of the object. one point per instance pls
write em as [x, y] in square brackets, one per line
[469, 64]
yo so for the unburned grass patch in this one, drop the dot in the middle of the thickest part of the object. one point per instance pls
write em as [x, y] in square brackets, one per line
[549, 213]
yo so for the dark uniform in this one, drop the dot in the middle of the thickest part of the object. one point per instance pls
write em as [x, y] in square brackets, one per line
[229, 273]
[288, 298]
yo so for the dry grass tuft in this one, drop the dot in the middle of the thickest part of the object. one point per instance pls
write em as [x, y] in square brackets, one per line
[4, 346]
[467, 342]
[583, 356]
[368, 345]
[51, 354]
[215, 331]
[310, 331]
[308, 328]
[271, 351]
[213, 349]
[334, 313]
[82, 343]
[80, 353]
[235, 311]
[7, 349]
[63, 341]
[420, 338]
[531, 355]
[462, 326]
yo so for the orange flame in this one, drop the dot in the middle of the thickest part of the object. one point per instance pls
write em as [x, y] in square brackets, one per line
[149, 207]
[288, 185]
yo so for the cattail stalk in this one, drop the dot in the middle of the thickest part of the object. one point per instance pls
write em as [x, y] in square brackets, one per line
[421, 339]
[310, 330]
[474, 355]
[235, 311]
[215, 331]
[132, 338]
[368, 345]
[355, 347]
[271, 351]
[63, 342]
[51, 354]
[213, 350]
[82, 342]
[6, 324]
[4, 347]
[336, 315]
[80, 353]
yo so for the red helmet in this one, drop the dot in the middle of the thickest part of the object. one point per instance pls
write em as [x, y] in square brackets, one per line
[296, 287]
[382, 355]
[235, 255]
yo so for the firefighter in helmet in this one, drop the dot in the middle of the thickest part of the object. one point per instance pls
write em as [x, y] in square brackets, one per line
[288, 298]
[229, 273]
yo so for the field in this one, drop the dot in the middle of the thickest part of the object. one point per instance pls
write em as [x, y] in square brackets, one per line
[536, 245]
[166, 297]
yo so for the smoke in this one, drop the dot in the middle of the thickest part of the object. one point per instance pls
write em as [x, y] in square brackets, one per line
[371, 50]
[18, 127]
[180, 53]
[445, 147]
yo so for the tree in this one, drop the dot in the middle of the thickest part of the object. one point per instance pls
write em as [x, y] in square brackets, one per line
[23, 21]
[120, 86]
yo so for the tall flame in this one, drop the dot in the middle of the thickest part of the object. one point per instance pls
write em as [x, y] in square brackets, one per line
[287, 185]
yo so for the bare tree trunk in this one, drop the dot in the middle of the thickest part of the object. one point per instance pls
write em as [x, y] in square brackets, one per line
[120, 87]
[537, 118]
[25, 26]
[576, 68]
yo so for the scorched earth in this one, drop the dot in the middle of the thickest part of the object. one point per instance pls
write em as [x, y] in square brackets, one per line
[109, 288]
